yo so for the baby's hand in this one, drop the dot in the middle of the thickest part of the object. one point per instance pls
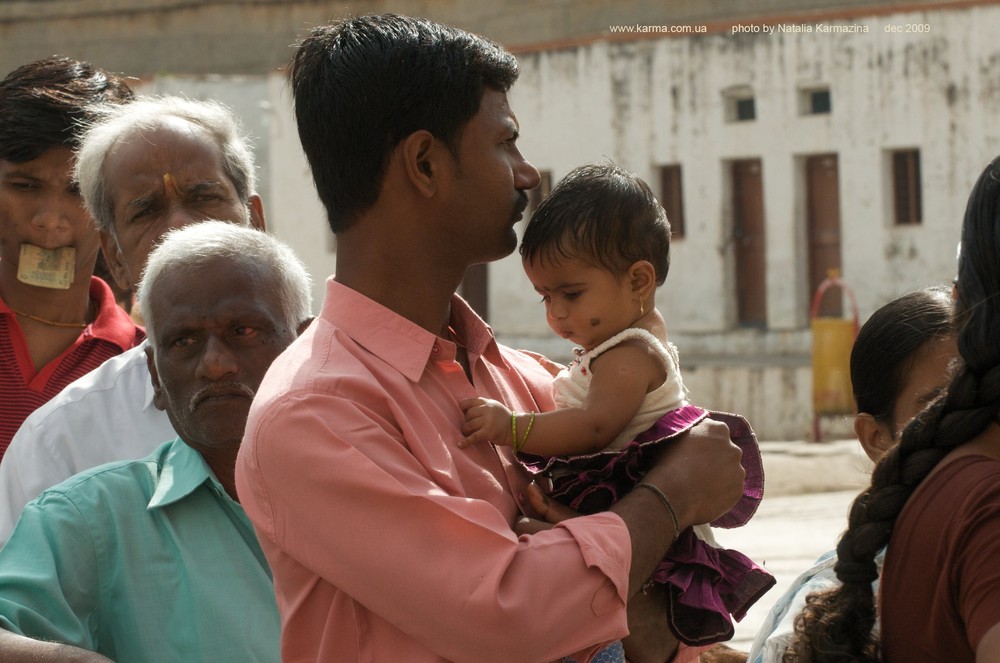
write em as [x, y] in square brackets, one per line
[485, 421]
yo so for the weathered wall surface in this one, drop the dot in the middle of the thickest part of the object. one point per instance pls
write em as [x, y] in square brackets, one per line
[648, 103]
[654, 102]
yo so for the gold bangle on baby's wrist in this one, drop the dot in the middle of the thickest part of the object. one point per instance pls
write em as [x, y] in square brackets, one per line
[666, 502]
[519, 444]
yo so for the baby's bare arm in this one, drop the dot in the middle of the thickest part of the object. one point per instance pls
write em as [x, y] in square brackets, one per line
[621, 378]
[626, 373]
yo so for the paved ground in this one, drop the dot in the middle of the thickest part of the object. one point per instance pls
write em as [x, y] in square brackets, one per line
[807, 491]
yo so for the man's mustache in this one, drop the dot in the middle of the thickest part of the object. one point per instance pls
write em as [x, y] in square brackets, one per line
[220, 389]
[522, 203]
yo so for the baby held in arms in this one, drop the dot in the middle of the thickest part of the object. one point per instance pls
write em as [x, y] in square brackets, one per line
[596, 250]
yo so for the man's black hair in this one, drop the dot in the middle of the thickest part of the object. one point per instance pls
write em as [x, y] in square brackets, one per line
[43, 104]
[363, 85]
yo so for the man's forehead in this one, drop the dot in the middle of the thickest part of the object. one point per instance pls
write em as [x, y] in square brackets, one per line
[238, 284]
[165, 127]
[241, 290]
[495, 103]
[179, 171]
[224, 307]
[143, 153]
[493, 117]
[57, 157]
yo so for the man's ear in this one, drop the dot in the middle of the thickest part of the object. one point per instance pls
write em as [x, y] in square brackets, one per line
[256, 208]
[874, 436]
[642, 278]
[421, 155]
[159, 400]
[115, 261]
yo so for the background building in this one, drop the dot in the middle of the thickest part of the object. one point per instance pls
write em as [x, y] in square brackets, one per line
[784, 140]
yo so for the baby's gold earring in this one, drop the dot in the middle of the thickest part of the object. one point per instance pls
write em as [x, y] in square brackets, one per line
[642, 309]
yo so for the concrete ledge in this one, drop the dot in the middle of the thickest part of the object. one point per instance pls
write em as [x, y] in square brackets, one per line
[799, 468]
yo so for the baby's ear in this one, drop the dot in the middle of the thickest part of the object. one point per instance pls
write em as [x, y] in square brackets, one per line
[642, 277]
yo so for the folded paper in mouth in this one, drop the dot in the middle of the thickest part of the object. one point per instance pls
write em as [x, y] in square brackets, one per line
[47, 268]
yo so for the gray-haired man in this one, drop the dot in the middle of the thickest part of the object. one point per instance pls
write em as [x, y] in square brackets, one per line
[146, 167]
[154, 559]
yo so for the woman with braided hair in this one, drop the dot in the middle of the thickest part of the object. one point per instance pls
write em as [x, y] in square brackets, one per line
[899, 363]
[934, 500]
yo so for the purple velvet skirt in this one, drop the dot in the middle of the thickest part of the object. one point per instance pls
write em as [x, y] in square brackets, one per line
[705, 584]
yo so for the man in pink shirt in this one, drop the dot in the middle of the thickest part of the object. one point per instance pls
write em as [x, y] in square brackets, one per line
[387, 541]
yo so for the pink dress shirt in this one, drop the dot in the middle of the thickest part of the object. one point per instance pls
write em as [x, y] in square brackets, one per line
[387, 541]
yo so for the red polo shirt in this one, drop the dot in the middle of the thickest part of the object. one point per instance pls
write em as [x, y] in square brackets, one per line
[23, 389]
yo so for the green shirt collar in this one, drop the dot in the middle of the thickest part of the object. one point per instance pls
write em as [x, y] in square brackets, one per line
[182, 471]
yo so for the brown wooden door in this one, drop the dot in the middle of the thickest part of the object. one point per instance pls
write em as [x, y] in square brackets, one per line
[749, 243]
[823, 228]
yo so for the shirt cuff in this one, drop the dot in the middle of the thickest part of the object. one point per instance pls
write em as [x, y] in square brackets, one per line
[605, 544]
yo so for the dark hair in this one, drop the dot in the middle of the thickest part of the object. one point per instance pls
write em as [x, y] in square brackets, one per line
[603, 215]
[43, 103]
[836, 625]
[884, 350]
[364, 84]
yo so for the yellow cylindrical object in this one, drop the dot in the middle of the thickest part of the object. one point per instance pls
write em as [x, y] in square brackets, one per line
[832, 339]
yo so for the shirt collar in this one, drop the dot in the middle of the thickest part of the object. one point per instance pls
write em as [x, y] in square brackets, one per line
[398, 341]
[473, 332]
[182, 471]
[112, 323]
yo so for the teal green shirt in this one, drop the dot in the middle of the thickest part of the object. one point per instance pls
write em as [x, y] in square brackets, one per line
[146, 560]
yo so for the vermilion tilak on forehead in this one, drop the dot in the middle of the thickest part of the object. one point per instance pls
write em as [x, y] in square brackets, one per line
[170, 183]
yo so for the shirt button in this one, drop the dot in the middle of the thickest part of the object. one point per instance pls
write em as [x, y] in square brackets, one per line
[435, 349]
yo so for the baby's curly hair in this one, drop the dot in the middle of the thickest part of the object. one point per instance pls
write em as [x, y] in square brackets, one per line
[603, 215]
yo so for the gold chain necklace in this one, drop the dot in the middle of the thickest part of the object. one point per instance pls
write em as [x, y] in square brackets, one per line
[73, 325]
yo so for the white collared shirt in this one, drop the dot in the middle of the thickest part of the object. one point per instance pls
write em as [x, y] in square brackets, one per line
[106, 415]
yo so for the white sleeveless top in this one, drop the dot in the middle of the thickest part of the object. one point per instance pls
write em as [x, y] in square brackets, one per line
[573, 383]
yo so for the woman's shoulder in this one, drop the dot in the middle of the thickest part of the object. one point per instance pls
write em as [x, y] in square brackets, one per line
[975, 472]
[959, 484]
[980, 455]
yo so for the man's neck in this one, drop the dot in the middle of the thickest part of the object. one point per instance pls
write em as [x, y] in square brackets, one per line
[403, 277]
[222, 462]
[50, 320]
[70, 306]
[424, 305]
